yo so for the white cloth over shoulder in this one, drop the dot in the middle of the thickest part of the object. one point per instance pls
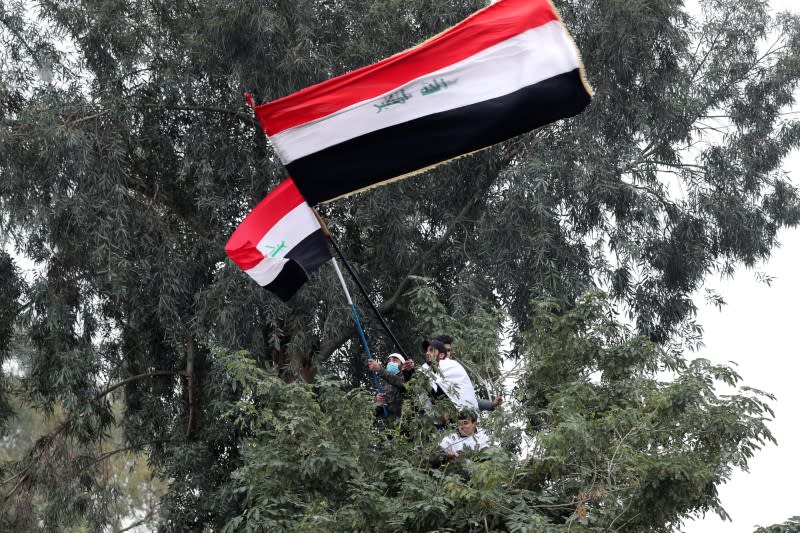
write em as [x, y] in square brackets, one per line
[454, 381]
[455, 442]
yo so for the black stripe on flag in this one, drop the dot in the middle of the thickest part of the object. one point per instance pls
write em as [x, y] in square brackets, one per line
[304, 259]
[312, 251]
[288, 282]
[381, 155]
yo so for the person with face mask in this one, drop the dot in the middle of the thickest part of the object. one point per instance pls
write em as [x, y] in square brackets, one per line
[394, 385]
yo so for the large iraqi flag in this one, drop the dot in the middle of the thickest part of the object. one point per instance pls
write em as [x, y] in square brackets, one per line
[505, 70]
[280, 243]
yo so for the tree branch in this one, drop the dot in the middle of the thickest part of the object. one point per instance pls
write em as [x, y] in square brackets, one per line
[138, 523]
[116, 451]
[138, 377]
[47, 439]
[20, 38]
[203, 109]
[191, 355]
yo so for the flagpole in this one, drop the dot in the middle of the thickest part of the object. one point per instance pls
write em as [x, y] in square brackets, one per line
[359, 327]
[359, 285]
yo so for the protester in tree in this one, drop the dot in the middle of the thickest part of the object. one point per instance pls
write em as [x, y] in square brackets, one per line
[483, 404]
[394, 380]
[465, 443]
[448, 378]
[447, 340]
[468, 436]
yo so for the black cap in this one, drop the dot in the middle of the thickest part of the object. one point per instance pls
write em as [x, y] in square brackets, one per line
[445, 339]
[438, 345]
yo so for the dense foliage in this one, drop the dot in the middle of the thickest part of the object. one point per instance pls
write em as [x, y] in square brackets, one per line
[127, 157]
[612, 447]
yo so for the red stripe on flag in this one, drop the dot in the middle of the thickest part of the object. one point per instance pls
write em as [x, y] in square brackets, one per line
[241, 247]
[493, 24]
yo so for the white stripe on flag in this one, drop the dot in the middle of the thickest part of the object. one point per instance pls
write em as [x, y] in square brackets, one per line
[526, 59]
[267, 270]
[287, 233]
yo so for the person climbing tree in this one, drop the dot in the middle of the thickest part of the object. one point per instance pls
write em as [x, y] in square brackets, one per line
[465, 443]
[448, 377]
[468, 436]
[483, 404]
[392, 396]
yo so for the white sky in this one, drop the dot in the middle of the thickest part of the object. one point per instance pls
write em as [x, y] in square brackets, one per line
[759, 330]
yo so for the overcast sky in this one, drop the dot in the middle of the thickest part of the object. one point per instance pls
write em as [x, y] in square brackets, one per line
[759, 330]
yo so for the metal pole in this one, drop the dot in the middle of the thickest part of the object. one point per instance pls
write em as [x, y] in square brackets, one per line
[366, 297]
[360, 328]
[357, 282]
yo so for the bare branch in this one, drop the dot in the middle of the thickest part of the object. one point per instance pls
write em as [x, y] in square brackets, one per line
[203, 109]
[233, 112]
[138, 377]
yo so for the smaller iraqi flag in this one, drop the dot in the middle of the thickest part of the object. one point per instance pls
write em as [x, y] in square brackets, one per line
[280, 243]
[505, 70]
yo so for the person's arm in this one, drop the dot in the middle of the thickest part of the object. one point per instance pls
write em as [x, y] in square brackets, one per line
[443, 453]
[489, 405]
[395, 380]
[408, 369]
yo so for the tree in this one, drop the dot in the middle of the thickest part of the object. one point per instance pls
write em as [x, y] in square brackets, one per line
[124, 474]
[10, 291]
[614, 448]
[127, 157]
[792, 524]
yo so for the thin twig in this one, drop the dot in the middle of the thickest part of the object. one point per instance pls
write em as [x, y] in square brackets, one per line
[191, 355]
